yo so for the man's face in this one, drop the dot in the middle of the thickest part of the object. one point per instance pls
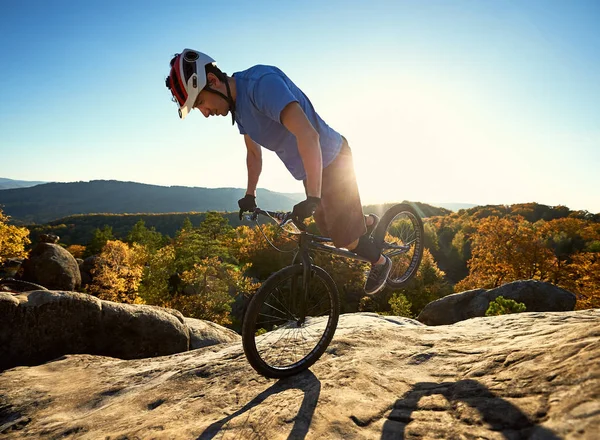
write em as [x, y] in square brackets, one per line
[211, 104]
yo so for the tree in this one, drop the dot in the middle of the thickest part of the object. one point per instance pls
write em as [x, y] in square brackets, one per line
[77, 250]
[149, 238]
[504, 250]
[13, 240]
[504, 306]
[99, 240]
[583, 279]
[428, 285]
[209, 291]
[215, 226]
[118, 273]
[401, 306]
[155, 288]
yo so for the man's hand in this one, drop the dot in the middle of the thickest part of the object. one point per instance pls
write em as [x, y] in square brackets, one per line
[305, 209]
[247, 204]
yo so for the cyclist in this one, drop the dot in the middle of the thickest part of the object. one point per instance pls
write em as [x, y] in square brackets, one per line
[272, 112]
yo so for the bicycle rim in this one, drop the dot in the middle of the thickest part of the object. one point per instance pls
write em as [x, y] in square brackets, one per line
[401, 232]
[278, 340]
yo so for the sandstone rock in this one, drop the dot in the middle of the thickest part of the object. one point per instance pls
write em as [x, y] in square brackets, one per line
[53, 267]
[10, 267]
[206, 333]
[49, 238]
[536, 295]
[521, 376]
[39, 326]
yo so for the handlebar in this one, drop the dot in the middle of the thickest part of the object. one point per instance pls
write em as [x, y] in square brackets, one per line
[283, 217]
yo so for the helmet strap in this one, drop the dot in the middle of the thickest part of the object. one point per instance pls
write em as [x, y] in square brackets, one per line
[227, 98]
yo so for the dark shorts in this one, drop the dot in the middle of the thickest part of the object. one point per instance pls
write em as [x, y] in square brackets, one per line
[340, 215]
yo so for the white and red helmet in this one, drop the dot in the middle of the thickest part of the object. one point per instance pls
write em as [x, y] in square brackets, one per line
[187, 78]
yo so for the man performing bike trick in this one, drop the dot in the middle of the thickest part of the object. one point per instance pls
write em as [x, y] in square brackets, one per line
[272, 112]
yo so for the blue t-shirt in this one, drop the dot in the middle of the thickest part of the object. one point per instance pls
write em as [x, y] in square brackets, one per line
[262, 93]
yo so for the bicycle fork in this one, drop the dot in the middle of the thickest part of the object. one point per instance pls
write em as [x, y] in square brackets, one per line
[306, 272]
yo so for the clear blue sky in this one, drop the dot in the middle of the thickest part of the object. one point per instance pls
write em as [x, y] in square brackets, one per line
[442, 101]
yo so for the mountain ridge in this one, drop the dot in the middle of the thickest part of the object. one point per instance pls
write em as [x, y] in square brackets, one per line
[51, 201]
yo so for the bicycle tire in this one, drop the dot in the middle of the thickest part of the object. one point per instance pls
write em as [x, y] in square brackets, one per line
[401, 225]
[271, 332]
[20, 285]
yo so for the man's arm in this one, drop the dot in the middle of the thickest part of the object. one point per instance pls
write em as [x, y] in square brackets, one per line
[295, 120]
[254, 164]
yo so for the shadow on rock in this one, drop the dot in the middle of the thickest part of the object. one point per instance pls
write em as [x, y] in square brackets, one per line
[305, 382]
[497, 413]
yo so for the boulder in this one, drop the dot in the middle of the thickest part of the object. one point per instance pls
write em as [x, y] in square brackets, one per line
[206, 333]
[53, 267]
[49, 238]
[38, 326]
[537, 296]
[86, 267]
[10, 267]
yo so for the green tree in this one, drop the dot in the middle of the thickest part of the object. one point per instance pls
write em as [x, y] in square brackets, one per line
[215, 227]
[149, 238]
[504, 306]
[401, 306]
[99, 240]
[428, 285]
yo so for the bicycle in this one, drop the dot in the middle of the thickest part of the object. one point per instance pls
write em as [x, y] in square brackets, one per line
[291, 319]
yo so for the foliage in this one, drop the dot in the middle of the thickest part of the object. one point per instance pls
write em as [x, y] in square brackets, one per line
[504, 250]
[147, 237]
[210, 289]
[584, 279]
[118, 273]
[428, 285]
[77, 250]
[504, 306]
[401, 306]
[13, 240]
[99, 240]
[561, 251]
[196, 273]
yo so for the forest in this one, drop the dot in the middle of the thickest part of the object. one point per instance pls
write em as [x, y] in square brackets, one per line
[207, 264]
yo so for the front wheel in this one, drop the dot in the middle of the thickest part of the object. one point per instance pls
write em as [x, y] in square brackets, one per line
[286, 331]
[401, 236]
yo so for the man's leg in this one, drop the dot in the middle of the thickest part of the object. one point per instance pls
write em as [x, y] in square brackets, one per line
[340, 216]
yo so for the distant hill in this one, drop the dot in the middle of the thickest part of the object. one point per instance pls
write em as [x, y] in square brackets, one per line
[51, 201]
[10, 183]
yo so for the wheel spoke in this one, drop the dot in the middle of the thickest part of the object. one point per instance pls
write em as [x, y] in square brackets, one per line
[282, 342]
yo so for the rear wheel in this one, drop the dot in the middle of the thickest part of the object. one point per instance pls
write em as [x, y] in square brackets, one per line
[283, 332]
[401, 235]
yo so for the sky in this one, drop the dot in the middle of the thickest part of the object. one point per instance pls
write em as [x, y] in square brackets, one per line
[483, 102]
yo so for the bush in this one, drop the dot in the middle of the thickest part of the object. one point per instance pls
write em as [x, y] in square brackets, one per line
[504, 306]
[400, 305]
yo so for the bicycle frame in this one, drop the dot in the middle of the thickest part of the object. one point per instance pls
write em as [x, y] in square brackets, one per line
[308, 242]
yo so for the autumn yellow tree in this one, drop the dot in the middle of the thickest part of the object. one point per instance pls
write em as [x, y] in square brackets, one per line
[118, 272]
[504, 250]
[13, 239]
[77, 250]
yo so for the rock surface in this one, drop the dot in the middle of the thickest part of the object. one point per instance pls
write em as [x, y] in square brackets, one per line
[537, 296]
[53, 267]
[523, 376]
[206, 333]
